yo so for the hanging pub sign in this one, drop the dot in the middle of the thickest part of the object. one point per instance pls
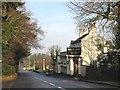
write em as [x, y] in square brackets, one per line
[73, 50]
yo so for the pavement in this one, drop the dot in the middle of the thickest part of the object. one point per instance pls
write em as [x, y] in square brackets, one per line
[115, 84]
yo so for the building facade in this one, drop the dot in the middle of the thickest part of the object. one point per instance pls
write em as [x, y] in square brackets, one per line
[80, 53]
[70, 61]
[92, 45]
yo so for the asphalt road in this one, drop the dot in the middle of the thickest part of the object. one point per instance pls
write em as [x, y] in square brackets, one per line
[29, 79]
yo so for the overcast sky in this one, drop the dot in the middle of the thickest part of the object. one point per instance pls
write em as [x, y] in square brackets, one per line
[57, 22]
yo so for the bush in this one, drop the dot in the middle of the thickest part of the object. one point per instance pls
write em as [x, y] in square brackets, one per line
[47, 70]
[8, 69]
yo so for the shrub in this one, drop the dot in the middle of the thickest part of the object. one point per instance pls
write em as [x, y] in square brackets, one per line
[8, 69]
[47, 70]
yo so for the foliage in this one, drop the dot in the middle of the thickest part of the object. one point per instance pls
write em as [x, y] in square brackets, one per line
[108, 65]
[54, 51]
[100, 45]
[47, 70]
[105, 14]
[32, 62]
[38, 60]
[113, 59]
[19, 32]
[8, 69]
[108, 68]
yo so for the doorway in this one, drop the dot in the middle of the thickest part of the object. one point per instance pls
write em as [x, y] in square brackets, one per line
[75, 60]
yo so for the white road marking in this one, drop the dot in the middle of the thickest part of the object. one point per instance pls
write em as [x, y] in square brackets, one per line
[52, 84]
[45, 81]
[76, 78]
[61, 88]
[85, 86]
[36, 78]
[41, 79]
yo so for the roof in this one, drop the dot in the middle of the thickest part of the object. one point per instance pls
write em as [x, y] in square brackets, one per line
[63, 53]
[79, 39]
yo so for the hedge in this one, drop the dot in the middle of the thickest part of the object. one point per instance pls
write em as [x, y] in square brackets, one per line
[8, 69]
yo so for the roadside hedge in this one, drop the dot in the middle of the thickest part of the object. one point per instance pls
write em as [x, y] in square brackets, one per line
[8, 69]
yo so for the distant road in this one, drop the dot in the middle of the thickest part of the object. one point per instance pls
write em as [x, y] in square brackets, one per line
[29, 79]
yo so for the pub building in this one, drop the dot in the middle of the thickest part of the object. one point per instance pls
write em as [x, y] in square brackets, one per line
[70, 61]
[81, 53]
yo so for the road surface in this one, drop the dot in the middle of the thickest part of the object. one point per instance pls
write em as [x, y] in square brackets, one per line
[29, 79]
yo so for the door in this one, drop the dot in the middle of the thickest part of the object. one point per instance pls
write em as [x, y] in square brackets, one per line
[75, 66]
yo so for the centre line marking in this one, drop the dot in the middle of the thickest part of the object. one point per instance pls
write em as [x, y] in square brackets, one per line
[61, 88]
[36, 78]
[52, 84]
[45, 81]
[41, 79]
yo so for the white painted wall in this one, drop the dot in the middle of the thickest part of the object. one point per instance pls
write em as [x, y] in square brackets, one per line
[89, 50]
[58, 65]
[68, 65]
[71, 66]
[79, 66]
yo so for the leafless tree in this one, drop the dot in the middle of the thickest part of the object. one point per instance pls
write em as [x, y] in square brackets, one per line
[54, 50]
[106, 15]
